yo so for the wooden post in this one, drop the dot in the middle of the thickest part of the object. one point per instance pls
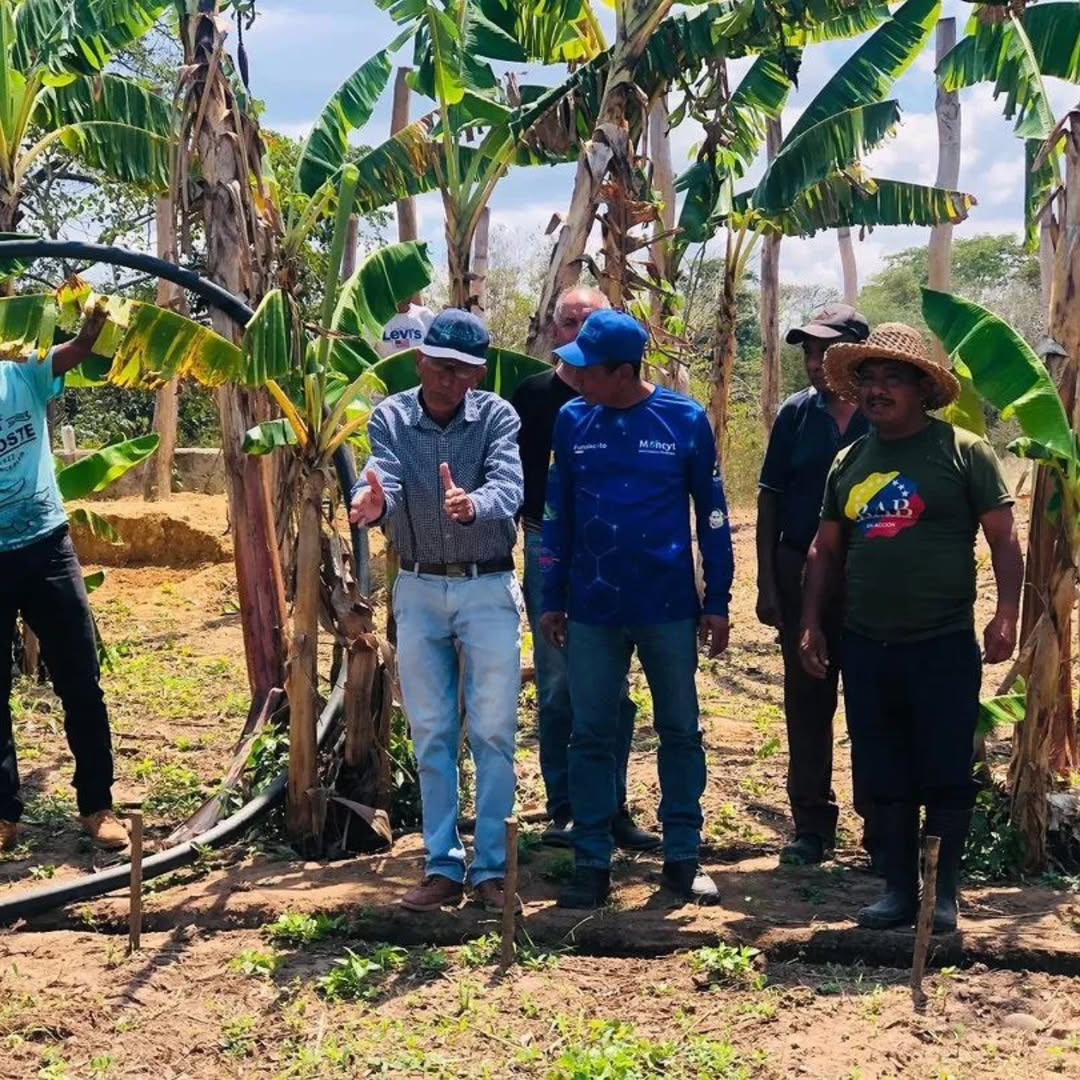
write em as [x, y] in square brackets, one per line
[158, 483]
[925, 925]
[510, 887]
[849, 267]
[947, 107]
[135, 909]
[480, 263]
[769, 313]
[399, 118]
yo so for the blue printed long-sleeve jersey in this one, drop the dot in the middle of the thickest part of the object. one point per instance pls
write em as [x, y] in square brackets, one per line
[616, 545]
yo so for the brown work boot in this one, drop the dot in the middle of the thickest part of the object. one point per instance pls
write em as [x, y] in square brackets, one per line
[434, 892]
[492, 894]
[8, 829]
[106, 830]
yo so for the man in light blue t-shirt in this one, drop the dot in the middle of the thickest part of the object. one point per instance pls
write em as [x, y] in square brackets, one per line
[40, 579]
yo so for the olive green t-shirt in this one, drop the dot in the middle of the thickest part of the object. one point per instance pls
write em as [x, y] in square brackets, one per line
[910, 510]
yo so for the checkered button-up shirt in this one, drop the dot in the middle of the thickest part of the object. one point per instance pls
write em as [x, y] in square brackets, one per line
[479, 445]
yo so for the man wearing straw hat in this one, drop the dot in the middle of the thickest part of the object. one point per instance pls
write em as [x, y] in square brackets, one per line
[901, 511]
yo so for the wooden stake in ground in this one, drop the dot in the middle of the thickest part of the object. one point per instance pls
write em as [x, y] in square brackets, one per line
[925, 925]
[135, 911]
[510, 886]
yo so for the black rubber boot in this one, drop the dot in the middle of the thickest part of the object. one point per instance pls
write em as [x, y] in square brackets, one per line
[558, 833]
[898, 844]
[689, 882]
[629, 837]
[952, 828]
[589, 888]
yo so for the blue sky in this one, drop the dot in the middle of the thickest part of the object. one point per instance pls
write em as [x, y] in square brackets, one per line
[302, 50]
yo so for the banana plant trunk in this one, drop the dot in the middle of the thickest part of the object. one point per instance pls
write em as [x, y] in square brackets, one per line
[769, 310]
[158, 483]
[302, 815]
[636, 20]
[724, 353]
[1045, 744]
[233, 249]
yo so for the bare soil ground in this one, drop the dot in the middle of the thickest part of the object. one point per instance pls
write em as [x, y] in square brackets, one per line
[614, 995]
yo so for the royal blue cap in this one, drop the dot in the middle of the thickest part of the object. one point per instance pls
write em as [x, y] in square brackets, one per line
[455, 334]
[606, 337]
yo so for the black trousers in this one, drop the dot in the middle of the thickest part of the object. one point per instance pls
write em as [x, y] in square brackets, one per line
[809, 708]
[43, 582]
[912, 709]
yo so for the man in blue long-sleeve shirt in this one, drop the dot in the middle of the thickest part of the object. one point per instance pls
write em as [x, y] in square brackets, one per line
[618, 567]
[445, 478]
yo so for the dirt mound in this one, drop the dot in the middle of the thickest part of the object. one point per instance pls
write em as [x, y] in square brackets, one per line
[187, 530]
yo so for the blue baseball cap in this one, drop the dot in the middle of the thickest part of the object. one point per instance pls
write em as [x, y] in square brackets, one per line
[606, 337]
[455, 334]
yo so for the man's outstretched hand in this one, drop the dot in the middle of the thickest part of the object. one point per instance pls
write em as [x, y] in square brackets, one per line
[553, 627]
[459, 506]
[369, 503]
[714, 632]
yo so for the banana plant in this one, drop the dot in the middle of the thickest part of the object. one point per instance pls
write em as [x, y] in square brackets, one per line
[1006, 372]
[1016, 55]
[816, 179]
[56, 92]
[323, 388]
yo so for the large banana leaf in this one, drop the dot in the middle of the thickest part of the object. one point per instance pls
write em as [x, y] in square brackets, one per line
[105, 98]
[1004, 370]
[369, 300]
[98, 470]
[997, 53]
[548, 31]
[147, 345]
[506, 370]
[327, 148]
[267, 341]
[835, 143]
[125, 152]
[870, 72]
[1040, 183]
[401, 166]
[80, 36]
[859, 202]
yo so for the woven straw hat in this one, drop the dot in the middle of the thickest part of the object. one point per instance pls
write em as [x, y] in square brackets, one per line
[889, 341]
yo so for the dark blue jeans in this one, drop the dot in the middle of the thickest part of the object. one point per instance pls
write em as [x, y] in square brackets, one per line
[911, 710]
[556, 718]
[598, 659]
[44, 582]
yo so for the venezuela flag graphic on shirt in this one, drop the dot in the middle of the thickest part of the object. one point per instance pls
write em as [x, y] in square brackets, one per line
[884, 504]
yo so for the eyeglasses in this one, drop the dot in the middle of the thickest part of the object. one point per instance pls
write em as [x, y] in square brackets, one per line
[442, 366]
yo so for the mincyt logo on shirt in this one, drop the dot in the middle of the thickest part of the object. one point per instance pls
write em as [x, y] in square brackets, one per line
[884, 504]
[657, 446]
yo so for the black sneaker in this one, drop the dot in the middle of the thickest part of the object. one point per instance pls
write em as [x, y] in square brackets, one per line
[629, 837]
[589, 888]
[557, 834]
[804, 850]
[689, 882]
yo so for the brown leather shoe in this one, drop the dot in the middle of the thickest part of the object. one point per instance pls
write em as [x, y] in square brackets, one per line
[106, 830]
[492, 894]
[8, 829]
[434, 892]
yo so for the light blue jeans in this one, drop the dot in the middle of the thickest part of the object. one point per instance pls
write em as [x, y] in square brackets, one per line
[555, 719]
[481, 616]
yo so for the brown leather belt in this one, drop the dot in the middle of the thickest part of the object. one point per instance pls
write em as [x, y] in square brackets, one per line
[461, 570]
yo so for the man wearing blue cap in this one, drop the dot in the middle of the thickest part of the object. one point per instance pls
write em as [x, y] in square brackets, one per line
[618, 576]
[444, 477]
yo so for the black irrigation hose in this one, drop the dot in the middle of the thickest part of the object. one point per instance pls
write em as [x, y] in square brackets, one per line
[24, 905]
[36, 901]
[215, 295]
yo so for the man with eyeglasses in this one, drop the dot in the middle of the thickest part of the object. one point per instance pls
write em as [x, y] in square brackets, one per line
[444, 477]
[538, 401]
